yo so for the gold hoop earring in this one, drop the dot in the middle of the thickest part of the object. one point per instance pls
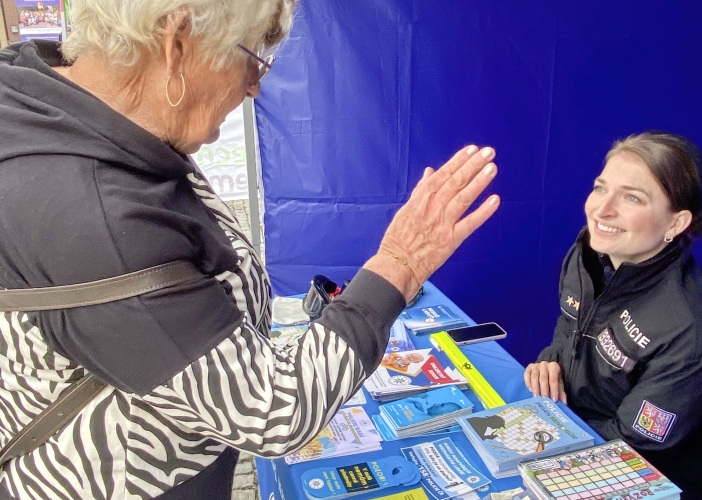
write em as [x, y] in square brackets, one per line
[668, 238]
[182, 81]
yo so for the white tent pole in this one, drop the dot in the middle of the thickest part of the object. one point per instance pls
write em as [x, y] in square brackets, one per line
[64, 21]
[252, 174]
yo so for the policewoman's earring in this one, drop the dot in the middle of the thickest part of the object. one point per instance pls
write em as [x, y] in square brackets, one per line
[668, 238]
[168, 96]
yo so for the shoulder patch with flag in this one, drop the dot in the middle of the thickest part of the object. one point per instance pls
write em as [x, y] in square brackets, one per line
[653, 422]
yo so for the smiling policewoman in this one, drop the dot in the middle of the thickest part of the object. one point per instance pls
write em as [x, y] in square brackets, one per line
[96, 183]
[627, 350]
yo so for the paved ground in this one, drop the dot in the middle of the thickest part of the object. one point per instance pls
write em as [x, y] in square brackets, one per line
[245, 479]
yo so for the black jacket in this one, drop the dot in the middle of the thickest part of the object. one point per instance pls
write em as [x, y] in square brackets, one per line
[631, 354]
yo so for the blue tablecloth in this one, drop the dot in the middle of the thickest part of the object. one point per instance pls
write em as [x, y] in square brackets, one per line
[279, 481]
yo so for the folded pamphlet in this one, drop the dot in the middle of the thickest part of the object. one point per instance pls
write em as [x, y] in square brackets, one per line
[405, 373]
[351, 431]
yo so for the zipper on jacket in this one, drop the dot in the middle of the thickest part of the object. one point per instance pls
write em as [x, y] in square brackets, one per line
[578, 335]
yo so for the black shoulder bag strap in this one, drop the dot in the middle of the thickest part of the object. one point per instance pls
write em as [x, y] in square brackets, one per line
[72, 400]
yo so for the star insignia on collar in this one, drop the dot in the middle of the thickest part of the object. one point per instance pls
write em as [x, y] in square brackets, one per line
[570, 300]
[576, 305]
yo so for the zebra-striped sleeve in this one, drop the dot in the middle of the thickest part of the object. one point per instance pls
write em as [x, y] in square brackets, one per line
[229, 386]
[270, 400]
[246, 394]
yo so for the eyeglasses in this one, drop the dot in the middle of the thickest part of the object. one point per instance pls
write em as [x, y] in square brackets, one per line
[264, 65]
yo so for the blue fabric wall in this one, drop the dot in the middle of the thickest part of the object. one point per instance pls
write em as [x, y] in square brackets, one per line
[366, 93]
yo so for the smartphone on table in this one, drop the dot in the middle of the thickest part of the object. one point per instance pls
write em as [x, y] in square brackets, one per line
[477, 333]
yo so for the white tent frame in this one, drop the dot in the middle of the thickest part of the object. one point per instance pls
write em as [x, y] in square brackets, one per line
[252, 172]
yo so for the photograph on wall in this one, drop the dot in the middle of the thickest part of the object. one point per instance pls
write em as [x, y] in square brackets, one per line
[39, 19]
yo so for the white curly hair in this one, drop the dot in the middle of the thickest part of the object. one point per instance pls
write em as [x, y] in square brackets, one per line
[124, 30]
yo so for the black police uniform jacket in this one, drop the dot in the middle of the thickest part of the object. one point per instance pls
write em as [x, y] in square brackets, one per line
[630, 351]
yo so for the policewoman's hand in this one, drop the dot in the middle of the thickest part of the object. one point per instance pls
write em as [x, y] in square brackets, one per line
[545, 379]
[433, 223]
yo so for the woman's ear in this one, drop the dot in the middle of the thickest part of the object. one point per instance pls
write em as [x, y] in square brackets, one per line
[176, 41]
[681, 221]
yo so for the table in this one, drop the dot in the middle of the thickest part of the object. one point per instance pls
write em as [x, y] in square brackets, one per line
[279, 481]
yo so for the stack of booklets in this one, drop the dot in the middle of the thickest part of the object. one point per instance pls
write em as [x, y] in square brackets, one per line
[351, 431]
[430, 319]
[422, 414]
[399, 338]
[531, 428]
[406, 373]
[608, 471]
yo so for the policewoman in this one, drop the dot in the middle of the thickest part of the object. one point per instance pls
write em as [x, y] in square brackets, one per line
[627, 350]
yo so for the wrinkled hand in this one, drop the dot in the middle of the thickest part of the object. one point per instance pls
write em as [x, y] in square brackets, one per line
[545, 379]
[431, 225]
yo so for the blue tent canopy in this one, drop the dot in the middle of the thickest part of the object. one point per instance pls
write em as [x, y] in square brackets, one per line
[364, 94]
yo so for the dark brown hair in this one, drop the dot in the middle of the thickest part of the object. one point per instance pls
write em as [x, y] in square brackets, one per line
[674, 161]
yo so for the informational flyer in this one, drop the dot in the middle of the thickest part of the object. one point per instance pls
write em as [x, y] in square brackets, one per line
[404, 373]
[351, 431]
[445, 468]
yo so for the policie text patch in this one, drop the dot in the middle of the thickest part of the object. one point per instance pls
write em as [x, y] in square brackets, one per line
[608, 348]
[653, 422]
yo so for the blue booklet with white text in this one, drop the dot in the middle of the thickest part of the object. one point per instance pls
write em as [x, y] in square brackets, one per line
[442, 404]
[531, 428]
[445, 468]
[399, 338]
[430, 319]
[389, 435]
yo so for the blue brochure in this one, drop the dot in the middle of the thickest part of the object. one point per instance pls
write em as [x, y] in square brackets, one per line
[445, 469]
[389, 435]
[430, 319]
[399, 339]
[431, 405]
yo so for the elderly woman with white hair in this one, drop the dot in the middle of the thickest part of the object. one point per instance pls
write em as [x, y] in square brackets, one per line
[97, 183]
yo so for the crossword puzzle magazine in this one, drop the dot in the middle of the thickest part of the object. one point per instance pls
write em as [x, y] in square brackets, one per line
[610, 471]
[531, 428]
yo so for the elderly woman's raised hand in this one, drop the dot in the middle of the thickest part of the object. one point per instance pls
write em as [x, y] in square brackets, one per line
[432, 224]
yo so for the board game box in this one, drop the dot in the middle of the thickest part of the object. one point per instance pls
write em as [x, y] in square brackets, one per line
[610, 471]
